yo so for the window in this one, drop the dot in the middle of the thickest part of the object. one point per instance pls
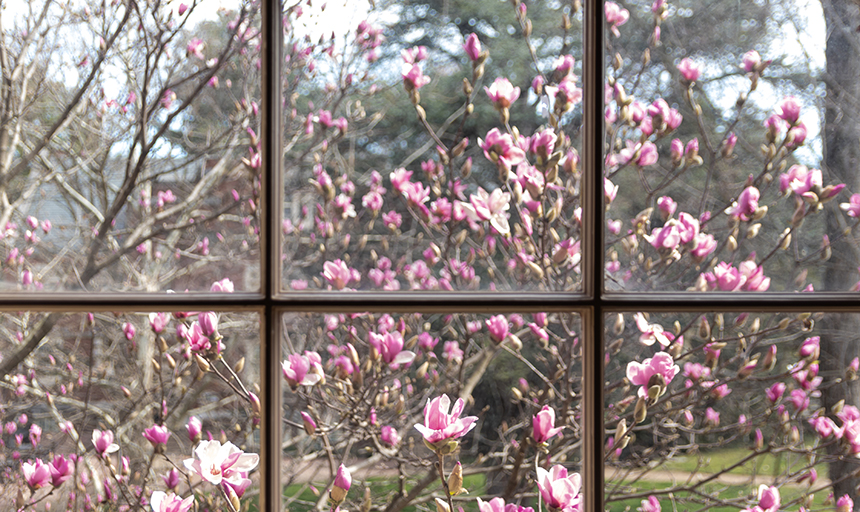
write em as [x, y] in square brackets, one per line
[357, 238]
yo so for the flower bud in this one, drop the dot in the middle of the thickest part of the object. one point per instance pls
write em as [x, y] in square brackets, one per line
[308, 423]
[641, 411]
[455, 480]
[342, 483]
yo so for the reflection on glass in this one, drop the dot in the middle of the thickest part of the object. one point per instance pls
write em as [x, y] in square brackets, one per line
[731, 410]
[114, 410]
[407, 402]
[725, 167]
[439, 162]
[125, 163]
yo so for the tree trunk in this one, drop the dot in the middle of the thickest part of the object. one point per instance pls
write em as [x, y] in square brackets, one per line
[840, 342]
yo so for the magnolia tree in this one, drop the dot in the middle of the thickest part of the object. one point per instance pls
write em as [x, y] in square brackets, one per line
[160, 410]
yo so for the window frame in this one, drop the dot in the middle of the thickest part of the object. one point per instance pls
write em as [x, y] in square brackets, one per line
[592, 303]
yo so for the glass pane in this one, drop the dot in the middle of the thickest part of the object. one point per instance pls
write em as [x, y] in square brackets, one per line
[125, 163]
[374, 391]
[728, 165]
[433, 146]
[731, 411]
[108, 411]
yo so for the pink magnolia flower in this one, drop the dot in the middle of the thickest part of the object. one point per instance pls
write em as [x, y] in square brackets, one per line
[789, 110]
[341, 485]
[158, 321]
[500, 149]
[195, 48]
[337, 274]
[615, 17]
[171, 479]
[441, 426]
[489, 206]
[689, 70]
[751, 60]
[208, 322]
[844, 504]
[712, 417]
[473, 47]
[498, 328]
[216, 463]
[543, 425]
[810, 348]
[704, 244]
[502, 93]
[103, 442]
[768, 498]
[157, 435]
[225, 285]
[650, 332]
[61, 470]
[170, 502]
[853, 206]
[667, 206]
[652, 504]
[389, 435]
[558, 489]
[296, 371]
[799, 399]
[36, 474]
[452, 352]
[796, 135]
[194, 427]
[666, 237]
[643, 374]
[129, 330]
[413, 77]
[746, 205]
[390, 347]
[775, 392]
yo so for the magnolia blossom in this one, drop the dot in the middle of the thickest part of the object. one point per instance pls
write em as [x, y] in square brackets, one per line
[558, 489]
[746, 205]
[296, 370]
[216, 463]
[658, 370]
[337, 274]
[36, 474]
[157, 435]
[689, 70]
[473, 47]
[103, 442]
[61, 470]
[652, 504]
[500, 149]
[489, 206]
[439, 425]
[502, 93]
[789, 110]
[390, 347]
[751, 61]
[543, 425]
[342, 483]
[170, 502]
[650, 332]
[498, 327]
[615, 17]
[389, 435]
[413, 77]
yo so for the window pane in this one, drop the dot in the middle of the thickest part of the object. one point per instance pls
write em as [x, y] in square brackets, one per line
[727, 159]
[374, 377]
[122, 408]
[432, 147]
[125, 163]
[736, 410]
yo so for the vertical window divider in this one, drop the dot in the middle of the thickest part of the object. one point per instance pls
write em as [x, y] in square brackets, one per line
[593, 254]
[270, 182]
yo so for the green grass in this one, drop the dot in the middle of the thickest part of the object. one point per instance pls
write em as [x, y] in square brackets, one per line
[681, 501]
[301, 498]
[767, 464]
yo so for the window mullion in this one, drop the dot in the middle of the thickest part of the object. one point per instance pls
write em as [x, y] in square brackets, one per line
[270, 152]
